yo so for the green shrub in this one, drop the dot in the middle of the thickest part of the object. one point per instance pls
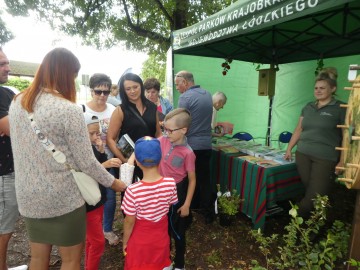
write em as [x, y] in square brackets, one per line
[229, 203]
[18, 83]
[299, 249]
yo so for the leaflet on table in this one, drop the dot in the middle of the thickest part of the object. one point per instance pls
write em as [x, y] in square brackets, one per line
[230, 149]
[260, 161]
[248, 147]
[267, 163]
[262, 151]
[275, 154]
[126, 145]
[251, 159]
[218, 143]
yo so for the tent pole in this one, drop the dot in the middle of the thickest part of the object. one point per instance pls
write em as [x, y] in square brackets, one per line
[268, 132]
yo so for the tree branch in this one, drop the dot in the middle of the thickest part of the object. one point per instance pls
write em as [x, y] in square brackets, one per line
[144, 32]
[167, 15]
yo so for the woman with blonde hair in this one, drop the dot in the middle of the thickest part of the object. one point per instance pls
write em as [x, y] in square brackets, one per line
[48, 197]
[316, 137]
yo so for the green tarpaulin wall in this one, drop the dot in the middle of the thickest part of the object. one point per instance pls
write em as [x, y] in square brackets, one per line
[248, 111]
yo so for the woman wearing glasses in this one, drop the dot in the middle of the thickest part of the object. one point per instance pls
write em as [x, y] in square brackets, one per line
[136, 116]
[100, 85]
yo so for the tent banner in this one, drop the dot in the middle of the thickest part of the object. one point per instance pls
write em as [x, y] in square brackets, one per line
[245, 16]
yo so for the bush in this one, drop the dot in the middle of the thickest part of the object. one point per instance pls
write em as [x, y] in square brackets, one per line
[229, 203]
[299, 248]
[18, 83]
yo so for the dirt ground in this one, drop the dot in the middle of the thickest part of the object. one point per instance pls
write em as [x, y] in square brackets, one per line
[209, 246]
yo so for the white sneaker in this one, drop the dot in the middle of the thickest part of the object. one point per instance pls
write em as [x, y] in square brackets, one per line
[112, 238]
[21, 267]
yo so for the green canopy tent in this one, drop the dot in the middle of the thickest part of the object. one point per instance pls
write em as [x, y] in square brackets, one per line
[274, 32]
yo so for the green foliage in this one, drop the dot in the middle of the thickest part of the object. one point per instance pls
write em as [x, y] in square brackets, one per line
[154, 66]
[353, 262]
[5, 34]
[214, 258]
[229, 204]
[319, 66]
[299, 249]
[18, 83]
[141, 25]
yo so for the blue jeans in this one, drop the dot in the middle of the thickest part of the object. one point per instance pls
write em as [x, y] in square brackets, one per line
[109, 208]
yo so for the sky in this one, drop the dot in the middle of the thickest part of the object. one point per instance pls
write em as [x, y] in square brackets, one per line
[33, 40]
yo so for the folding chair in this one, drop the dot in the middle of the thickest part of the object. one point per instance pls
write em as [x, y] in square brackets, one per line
[284, 138]
[243, 136]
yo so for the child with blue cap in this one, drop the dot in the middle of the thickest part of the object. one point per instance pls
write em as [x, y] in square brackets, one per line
[146, 204]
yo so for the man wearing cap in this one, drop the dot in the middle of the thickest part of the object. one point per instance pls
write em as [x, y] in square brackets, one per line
[9, 212]
[199, 103]
[146, 205]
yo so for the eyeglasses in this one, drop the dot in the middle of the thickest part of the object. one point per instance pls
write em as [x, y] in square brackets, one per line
[170, 131]
[99, 92]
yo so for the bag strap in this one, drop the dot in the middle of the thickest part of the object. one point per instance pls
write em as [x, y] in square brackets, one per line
[46, 143]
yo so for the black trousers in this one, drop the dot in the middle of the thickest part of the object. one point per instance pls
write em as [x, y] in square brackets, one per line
[203, 197]
[178, 225]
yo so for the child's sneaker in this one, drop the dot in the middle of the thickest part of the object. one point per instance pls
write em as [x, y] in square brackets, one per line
[112, 238]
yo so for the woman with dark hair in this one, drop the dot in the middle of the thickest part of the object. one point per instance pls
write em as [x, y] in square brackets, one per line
[316, 137]
[100, 87]
[136, 116]
[48, 197]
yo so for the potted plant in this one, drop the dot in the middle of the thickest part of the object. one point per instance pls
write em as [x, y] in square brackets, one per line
[228, 205]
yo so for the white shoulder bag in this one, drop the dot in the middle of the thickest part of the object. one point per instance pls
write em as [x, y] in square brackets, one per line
[89, 188]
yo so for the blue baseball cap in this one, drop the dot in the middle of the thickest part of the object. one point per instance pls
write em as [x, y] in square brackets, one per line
[148, 151]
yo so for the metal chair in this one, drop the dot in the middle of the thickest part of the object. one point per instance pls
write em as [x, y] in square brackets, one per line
[284, 138]
[243, 136]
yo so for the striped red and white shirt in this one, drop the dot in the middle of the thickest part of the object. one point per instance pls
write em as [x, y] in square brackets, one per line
[150, 201]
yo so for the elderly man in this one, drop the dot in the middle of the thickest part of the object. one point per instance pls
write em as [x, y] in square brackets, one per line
[8, 206]
[199, 102]
[219, 101]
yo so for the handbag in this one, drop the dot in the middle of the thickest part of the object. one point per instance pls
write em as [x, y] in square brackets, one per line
[89, 188]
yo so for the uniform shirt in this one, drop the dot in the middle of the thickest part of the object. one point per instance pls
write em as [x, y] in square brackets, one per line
[6, 157]
[320, 135]
[150, 201]
[177, 160]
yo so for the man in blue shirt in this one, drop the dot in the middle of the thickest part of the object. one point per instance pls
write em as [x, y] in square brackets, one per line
[198, 102]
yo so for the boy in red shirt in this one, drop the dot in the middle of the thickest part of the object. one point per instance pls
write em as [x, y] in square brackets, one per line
[146, 205]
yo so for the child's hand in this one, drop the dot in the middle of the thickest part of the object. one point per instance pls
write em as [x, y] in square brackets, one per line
[183, 211]
[112, 162]
[99, 142]
[100, 145]
[131, 159]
